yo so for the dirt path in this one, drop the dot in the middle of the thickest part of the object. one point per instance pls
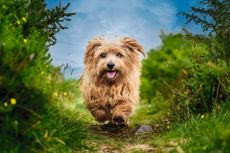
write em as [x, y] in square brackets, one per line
[122, 140]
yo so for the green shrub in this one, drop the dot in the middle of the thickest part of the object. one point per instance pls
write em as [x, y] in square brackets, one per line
[208, 82]
[27, 78]
[205, 86]
[192, 71]
[164, 67]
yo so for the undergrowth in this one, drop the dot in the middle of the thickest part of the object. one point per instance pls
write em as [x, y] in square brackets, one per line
[202, 133]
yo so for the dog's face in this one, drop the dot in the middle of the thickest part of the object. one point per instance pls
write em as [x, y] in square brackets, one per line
[112, 60]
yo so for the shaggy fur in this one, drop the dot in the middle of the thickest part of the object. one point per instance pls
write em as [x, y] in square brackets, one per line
[110, 82]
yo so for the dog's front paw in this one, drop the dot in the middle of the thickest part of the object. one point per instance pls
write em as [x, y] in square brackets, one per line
[100, 115]
[120, 120]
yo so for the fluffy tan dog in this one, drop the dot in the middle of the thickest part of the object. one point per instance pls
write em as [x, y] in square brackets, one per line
[110, 82]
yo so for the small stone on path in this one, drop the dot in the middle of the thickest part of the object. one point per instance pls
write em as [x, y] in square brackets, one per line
[143, 129]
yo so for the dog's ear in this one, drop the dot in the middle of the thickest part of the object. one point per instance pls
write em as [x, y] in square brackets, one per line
[132, 45]
[90, 49]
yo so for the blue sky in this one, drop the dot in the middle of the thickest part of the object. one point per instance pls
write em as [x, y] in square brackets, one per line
[140, 19]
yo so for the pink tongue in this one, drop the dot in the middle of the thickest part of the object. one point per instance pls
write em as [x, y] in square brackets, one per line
[111, 74]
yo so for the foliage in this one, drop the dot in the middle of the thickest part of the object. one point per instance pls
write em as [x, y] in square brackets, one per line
[61, 128]
[27, 79]
[213, 17]
[208, 83]
[197, 88]
[192, 71]
[207, 133]
[165, 66]
[205, 86]
[33, 14]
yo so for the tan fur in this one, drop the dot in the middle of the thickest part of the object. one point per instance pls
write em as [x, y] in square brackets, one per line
[111, 100]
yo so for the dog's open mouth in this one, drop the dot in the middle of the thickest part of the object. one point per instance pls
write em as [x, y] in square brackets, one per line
[111, 74]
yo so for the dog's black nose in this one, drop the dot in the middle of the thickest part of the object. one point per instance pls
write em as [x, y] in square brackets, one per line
[110, 65]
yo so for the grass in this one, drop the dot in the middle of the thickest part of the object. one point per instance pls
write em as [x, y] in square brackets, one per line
[67, 126]
[202, 133]
[150, 113]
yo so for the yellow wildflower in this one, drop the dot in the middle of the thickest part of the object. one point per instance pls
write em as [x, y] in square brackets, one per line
[56, 94]
[24, 19]
[25, 41]
[18, 22]
[65, 94]
[202, 116]
[13, 101]
[5, 104]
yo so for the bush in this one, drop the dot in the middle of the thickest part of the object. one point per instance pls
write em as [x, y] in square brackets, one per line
[27, 78]
[208, 83]
[165, 67]
[192, 71]
[204, 87]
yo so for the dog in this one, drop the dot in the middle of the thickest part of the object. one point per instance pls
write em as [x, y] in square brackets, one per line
[111, 78]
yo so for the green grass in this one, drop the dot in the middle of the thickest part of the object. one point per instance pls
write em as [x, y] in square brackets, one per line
[150, 113]
[67, 126]
[202, 133]
[76, 130]
[59, 128]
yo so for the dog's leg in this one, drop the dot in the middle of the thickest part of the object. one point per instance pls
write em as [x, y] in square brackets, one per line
[101, 115]
[121, 113]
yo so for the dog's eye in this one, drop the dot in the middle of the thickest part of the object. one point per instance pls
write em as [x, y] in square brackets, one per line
[119, 55]
[102, 55]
